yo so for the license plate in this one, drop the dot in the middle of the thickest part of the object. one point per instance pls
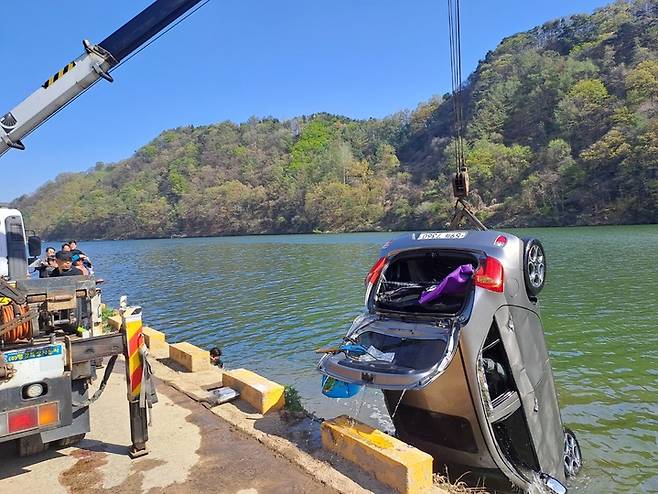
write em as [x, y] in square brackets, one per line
[441, 235]
[32, 353]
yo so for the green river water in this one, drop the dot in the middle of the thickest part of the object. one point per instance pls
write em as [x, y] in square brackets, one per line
[269, 301]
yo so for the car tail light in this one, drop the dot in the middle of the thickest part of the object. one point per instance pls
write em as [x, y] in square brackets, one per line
[48, 414]
[489, 275]
[22, 420]
[375, 271]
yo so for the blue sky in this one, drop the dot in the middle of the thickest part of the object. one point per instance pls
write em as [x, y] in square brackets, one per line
[235, 59]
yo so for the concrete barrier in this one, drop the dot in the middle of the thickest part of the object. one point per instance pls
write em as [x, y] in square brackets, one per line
[262, 394]
[189, 356]
[394, 463]
[153, 338]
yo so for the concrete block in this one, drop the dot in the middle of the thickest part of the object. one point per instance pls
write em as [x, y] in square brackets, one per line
[394, 463]
[189, 356]
[262, 394]
[114, 322]
[154, 338]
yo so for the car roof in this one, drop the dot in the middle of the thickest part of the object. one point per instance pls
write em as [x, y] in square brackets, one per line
[445, 239]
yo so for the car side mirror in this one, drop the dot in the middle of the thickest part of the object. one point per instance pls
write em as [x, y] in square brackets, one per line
[34, 245]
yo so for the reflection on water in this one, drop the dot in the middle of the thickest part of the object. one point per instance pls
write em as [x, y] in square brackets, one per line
[270, 301]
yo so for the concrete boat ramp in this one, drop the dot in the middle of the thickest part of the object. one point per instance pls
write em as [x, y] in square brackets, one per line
[196, 447]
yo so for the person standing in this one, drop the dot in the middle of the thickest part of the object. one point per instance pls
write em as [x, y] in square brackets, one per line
[73, 245]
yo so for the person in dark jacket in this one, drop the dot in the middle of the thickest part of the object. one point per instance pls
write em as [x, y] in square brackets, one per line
[73, 245]
[64, 265]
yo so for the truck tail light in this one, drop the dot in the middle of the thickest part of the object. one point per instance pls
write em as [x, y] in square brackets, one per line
[48, 414]
[375, 271]
[22, 420]
[489, 275]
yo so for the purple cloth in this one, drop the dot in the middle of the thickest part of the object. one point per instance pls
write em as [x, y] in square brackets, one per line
[453, 284]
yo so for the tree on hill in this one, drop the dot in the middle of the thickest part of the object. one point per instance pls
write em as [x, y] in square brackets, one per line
[561, 129]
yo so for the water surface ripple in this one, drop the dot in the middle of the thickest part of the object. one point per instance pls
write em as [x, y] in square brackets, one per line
[269, 301]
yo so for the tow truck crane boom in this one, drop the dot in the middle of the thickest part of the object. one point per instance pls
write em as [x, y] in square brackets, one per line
[95, 63]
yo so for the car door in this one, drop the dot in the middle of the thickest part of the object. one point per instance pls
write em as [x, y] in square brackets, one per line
[522, 336]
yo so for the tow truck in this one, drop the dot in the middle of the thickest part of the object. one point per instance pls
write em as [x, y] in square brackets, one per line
[51, 332]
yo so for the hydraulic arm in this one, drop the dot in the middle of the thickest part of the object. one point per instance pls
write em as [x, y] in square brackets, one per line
[95, 63]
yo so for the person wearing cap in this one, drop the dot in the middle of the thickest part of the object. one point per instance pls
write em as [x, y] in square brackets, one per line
[78, 263]
[64, 265]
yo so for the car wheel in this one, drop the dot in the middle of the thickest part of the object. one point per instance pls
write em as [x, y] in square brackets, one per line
[534, 266]
[573, 460]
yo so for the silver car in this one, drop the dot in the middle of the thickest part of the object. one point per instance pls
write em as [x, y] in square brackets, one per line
[466, 376]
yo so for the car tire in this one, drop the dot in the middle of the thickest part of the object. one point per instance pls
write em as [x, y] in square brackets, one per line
[573, 459]
[534, 266]
[70, 441]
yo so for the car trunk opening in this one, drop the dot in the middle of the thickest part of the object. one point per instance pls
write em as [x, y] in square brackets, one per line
[408, 281]
[406, 341]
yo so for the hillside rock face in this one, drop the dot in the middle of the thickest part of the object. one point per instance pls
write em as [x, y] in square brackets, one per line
[561, 129]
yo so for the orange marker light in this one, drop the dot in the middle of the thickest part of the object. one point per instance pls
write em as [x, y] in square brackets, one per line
[48, 414]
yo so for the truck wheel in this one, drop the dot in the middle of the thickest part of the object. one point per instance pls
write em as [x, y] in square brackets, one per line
[31, 445]
[573, 460]
[70, 441]
[534, 266]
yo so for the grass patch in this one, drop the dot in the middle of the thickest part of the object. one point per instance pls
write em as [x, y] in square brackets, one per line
[293, 400]
[106, 313]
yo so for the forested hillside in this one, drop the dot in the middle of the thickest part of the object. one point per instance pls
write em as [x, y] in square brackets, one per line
[562, 129]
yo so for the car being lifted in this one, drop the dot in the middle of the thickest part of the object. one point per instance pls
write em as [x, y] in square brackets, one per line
[452, 335]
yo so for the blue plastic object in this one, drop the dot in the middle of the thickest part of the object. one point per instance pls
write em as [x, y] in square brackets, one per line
[333, 388]
[353, 348]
